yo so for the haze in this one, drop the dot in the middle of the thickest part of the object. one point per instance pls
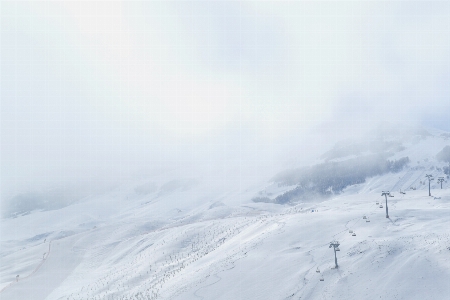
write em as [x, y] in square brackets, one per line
[96, 93]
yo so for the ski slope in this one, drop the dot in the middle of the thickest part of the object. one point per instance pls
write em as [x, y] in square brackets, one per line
[201, 240]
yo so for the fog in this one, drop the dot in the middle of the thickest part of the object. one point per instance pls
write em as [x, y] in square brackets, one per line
[94, 94]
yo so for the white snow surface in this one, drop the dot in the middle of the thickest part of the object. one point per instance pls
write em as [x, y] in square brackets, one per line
[204, 239]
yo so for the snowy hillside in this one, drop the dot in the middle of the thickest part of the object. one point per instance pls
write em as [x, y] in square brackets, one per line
[200, 238]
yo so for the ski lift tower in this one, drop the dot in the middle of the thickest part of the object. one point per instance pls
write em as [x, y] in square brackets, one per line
[440, 180]
[335, 245]
[385, 194]
[430, 177]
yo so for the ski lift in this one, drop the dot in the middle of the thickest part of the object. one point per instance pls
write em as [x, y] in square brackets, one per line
[381, 205]
[391, 195]
[367, 220]
[353, 234]
[337, 249]
[317, 270]
[364, 217]
[321, 278]
[378, 203]
[350, 231]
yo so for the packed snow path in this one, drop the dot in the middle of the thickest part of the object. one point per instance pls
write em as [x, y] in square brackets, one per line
[51, 272]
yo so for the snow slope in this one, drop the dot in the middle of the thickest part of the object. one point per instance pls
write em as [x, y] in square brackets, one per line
[204, 239]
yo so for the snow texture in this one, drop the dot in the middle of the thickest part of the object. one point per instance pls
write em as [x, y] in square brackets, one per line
[171, 238]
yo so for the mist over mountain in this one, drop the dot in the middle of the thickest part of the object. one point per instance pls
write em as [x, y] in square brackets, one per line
[224, 150]
[151, 235]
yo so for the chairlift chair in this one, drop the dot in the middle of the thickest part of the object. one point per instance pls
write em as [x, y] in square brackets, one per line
[367, 220]
[317, 270]
[381, 205]
[337, 249]
[321, 278]
[364, 217]
[354, 234]
[378, 203]
[350, 231]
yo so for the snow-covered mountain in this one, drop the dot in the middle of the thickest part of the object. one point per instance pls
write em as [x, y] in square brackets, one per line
[228, 237]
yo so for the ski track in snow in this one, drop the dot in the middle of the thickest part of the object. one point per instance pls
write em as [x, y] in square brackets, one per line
[34, 271]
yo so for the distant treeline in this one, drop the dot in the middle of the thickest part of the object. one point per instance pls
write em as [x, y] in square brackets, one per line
[446, 170]
[444, 155]
[332, 177]
[24, 203]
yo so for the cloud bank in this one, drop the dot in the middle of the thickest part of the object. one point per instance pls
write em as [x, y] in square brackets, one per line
[104, 91]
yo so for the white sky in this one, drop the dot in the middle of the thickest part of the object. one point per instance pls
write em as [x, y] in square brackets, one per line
[94, 90]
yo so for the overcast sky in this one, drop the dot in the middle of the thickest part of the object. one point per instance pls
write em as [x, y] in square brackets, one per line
[93, 90]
